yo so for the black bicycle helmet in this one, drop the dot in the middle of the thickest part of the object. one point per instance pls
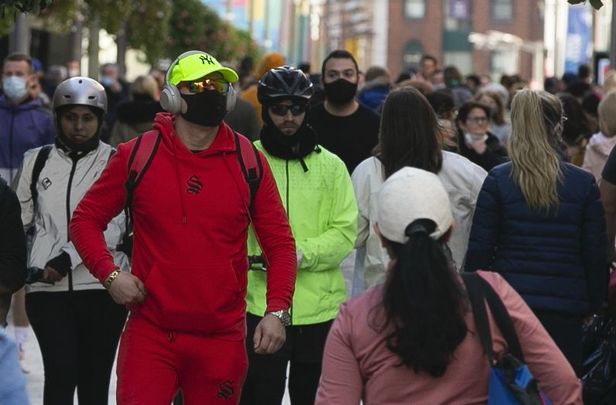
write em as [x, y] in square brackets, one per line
[284, 82]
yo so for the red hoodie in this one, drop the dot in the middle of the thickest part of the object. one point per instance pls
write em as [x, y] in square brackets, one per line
[190, 216]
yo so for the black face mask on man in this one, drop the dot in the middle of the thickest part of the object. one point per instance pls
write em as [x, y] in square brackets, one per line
[207, 108]
[340, 91]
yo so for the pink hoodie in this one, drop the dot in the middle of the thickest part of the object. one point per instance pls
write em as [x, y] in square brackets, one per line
[358, 366]
[598, 149]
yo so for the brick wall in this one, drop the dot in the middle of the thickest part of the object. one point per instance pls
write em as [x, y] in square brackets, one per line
[525, 23]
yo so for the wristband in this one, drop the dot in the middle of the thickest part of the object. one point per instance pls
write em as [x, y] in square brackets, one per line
[111, 277]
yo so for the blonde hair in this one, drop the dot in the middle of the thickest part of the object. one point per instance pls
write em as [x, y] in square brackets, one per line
[609, 83]
[607, 114]
[535, 116]
[145, 85]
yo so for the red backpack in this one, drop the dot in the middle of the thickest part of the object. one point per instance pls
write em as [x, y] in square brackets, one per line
[143, 153]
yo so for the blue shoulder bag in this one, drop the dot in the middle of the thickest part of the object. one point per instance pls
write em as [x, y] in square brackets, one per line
[510, 381]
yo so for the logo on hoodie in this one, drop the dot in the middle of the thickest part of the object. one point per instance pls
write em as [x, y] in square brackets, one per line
[225, 389]
[194, 185]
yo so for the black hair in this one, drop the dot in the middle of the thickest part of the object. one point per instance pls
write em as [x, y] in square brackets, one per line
[442, 102]
[304, 67]
[424, 302]
[339, 54]
[577, 126]
[550, 84]
[409, 133]
[467, 107]
[452, 76]
[584, 72]
[402, 77]
[474, 78]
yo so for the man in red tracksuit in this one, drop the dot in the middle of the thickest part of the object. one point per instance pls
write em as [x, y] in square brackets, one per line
[191, 212]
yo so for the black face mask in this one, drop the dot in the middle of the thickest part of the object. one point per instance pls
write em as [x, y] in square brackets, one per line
[206, 109]
[340, 91]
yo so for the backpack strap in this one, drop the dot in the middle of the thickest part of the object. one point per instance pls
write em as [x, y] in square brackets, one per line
[39, 163]
[250, 163]
[139, 160]
[479, 291]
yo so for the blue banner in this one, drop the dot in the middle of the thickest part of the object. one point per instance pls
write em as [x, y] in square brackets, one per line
[579, 37]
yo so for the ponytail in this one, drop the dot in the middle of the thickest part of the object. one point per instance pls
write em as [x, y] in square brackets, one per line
[424, 303]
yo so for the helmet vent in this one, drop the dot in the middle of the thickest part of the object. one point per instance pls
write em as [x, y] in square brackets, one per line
[80, 81]
[67, 96]
[91, 97]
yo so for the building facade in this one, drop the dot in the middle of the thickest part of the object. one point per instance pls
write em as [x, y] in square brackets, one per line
[484, 36]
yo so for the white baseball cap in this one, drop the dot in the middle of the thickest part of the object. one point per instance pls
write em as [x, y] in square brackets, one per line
[408, 195]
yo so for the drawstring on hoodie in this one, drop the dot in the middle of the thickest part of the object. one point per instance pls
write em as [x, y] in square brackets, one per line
[301, 162]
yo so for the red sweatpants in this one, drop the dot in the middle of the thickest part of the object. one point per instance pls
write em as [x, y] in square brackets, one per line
[153, 364]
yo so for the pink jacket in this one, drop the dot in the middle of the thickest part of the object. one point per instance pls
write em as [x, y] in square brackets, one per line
[598, 149]
[358, 366]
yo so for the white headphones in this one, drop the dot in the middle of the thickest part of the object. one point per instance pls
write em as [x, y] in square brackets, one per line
[170, 97]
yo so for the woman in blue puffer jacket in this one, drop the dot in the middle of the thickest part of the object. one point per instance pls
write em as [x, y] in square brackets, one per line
[539, 223]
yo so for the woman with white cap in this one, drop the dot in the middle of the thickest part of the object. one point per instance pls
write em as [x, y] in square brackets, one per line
[413, 339]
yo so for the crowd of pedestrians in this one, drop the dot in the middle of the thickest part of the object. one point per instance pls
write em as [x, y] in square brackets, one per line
[200, 219]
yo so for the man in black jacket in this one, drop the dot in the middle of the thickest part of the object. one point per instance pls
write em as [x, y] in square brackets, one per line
[12, 249]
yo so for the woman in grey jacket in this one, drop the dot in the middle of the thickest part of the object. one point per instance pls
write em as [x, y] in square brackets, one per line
[75, 321]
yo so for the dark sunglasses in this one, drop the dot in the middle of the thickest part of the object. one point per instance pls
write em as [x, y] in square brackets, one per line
[282, 110]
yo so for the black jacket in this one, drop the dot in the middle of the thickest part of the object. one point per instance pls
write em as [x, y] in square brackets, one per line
[494, 155]
[12, 247]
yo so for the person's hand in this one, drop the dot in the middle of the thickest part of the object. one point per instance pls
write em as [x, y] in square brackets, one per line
[269, 335]
[127, 289]
[50, 275]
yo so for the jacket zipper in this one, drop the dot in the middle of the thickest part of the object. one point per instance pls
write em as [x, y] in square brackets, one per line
[287, 193]
[289, 218]
[68, 210]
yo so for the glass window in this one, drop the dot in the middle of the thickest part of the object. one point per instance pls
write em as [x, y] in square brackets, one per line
[415, 8]
[463, 60]
[502, 9]
[457, 15]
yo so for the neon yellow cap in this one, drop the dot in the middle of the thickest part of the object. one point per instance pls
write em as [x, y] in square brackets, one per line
[196, 65]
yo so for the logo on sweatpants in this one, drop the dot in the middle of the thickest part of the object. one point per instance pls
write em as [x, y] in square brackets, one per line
[194, 185]
[225, 389]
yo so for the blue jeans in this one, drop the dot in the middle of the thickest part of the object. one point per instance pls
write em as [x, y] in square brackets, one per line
[12, 381]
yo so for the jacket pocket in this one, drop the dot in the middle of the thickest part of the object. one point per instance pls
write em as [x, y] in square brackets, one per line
[203, 299]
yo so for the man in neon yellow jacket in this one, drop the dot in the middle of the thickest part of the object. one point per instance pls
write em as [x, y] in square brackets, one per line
[317, 193]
